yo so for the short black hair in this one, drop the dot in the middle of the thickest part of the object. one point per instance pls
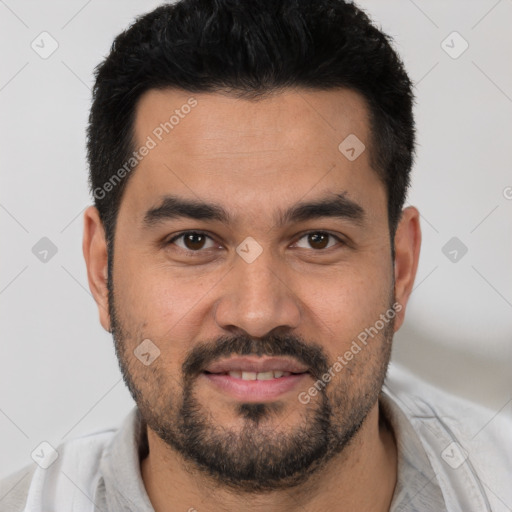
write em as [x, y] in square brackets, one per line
[249, 49]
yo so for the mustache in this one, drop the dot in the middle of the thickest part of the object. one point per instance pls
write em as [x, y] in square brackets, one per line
[309, 354]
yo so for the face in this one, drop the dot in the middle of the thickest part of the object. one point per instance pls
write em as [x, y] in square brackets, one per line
[251, 288]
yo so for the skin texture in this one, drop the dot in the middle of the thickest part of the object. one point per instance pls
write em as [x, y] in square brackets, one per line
[255, 159]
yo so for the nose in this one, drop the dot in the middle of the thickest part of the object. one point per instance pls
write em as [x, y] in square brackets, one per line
[258, 298]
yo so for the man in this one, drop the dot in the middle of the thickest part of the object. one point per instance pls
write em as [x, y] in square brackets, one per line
[249, 251]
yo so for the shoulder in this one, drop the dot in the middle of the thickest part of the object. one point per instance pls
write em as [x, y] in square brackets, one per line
[469, 419]
[76, 460]
[14, 489]
[469, 446]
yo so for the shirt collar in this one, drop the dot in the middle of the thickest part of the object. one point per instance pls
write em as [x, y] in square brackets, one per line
[122, 487]
[417, 487]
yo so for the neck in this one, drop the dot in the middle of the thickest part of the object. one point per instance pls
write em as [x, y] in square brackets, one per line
[362, 477]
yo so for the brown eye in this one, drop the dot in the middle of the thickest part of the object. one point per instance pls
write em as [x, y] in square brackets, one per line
[191, 241]
[319, 240]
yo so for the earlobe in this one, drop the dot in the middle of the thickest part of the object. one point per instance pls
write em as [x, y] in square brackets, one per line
[407, 253]
[94, 248]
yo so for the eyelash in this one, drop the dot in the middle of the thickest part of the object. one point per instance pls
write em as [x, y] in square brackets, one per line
[189, 251]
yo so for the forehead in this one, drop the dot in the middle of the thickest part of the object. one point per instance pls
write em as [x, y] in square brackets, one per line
[248, 154]
[279, 121]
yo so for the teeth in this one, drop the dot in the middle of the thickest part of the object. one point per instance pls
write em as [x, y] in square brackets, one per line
[265, 375]
[276, 374]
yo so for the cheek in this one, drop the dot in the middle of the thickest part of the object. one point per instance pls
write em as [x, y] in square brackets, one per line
[162, 304]
[348, 303]
[142, 290]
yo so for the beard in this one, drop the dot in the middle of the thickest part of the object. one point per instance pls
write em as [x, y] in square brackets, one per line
[257, 456]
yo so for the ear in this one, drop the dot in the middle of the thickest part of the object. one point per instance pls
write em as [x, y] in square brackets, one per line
[94, 247]
[407, 253]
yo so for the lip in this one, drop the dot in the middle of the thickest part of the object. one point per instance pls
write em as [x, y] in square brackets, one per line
[254, 390]
[256, 364]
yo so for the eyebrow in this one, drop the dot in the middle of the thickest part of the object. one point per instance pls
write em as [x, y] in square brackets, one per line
[335, 206]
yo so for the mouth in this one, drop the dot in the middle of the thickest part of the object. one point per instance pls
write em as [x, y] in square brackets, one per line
[251, 379]
[245, 375]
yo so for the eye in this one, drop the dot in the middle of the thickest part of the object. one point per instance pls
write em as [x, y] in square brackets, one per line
[192, 241]
[195, 241]
[319, 240]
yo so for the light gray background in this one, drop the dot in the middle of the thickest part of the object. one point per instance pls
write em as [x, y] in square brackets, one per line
[58, 371]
